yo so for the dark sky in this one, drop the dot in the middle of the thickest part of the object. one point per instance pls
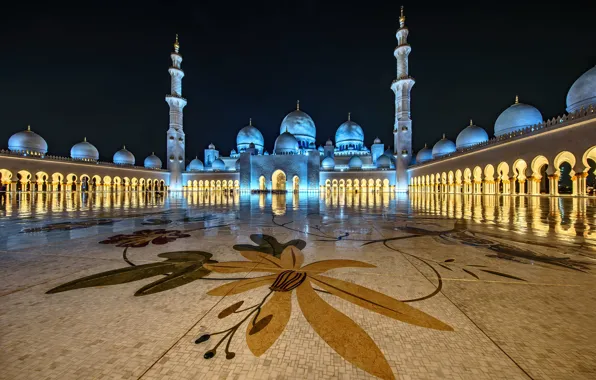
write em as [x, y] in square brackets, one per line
[101, 70]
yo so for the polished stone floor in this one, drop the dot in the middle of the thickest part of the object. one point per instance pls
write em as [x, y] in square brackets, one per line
[315, 286]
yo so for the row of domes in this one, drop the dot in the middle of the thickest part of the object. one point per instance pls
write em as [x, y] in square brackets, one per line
[29, 142]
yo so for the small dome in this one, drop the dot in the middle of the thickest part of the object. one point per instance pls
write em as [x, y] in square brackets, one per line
[582, 93]
[152, 162]
[301, 125]
[349, 135]
[195, 165]
[286, 143]
[218, 164]
[471, 135]
[233, 152]
[84, 151]
[28, 141]
[329, 142]
[383, 162]
[250, 135]
[355, 162]
[320, 148]
[516, 117]
[443, 147]
[424, 154]
[211, 146]
[328, 163]
[123, 157]
[377, 141]
[237, 165]
[266, 153]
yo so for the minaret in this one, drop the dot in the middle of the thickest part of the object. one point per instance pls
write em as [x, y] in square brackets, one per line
[176, 143]
[401, 86]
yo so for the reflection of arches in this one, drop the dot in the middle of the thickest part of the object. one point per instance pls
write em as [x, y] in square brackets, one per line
[296, 184]
[278, 180]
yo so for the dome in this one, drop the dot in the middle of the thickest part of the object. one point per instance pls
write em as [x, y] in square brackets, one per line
[123, 157]
[443, 147]
[152, 162]
[377, 141]
[321, 149]
[471, 135]
[355, 162]
[266, 153]
[211, 146]
[218, 164]
[27, 141]
[329, 142]
[328, 163]
[582, 93]
[195, 165]
[301, 125]
[516, 117]
[248, 135]
[383, 162]
[349, 134]
[424, 154]
[286, 143]
[84, 151]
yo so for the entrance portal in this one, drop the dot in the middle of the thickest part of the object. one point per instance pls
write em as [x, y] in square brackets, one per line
[278, 180]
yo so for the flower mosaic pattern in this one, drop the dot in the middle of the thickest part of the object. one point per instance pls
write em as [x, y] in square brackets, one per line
[268, 244]
[338, 330]
[142, 238]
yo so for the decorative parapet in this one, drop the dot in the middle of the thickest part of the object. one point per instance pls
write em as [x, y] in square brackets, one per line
[47, 157]
[533, 130]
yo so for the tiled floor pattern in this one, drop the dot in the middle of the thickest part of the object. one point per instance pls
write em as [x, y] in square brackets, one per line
[540, 328]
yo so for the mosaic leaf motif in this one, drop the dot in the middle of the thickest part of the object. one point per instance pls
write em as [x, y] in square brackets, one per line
[142, 238]
[338, 330]
[269, 245]
[156, 222]
[67, 226]
[179, 268]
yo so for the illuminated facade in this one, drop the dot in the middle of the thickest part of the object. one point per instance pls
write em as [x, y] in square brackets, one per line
[523, 147]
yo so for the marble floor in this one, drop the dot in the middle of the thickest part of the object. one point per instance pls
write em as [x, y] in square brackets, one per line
[309, 286]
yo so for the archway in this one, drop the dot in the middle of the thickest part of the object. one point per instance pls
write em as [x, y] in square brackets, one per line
[477, 180]
[519, 173]
[262, 183]
[296, 184]
[278, 180]
[540, 184]
[564, 177]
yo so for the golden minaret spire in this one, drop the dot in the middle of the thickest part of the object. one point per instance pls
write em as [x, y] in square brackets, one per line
[29, 127]
[250, 121]
[349, 116]
[176, 45]
[516, 99]
[402, 18]
[297, 105]
[471, 123]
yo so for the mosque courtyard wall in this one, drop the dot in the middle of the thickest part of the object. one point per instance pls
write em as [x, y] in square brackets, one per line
[525, 162]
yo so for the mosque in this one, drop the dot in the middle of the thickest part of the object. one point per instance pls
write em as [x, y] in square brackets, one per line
[524, 148]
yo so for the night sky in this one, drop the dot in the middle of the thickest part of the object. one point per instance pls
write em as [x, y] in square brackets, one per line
[100, 71]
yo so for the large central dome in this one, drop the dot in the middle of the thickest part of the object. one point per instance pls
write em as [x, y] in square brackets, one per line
[247, 135]
[582, 93]
[516, 117]
[301, 125]
[349, 135]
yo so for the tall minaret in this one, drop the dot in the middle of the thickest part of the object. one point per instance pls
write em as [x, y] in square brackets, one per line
[176, 143]
[401, 86]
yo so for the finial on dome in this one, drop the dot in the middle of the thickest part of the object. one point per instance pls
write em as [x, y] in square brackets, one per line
[176, 44]
[250, 121]
[471, 122]
[85, 139]
[425, 145]
[349, 116]
[297, 105]
[124, 147]
[443, 136]
[29, 127]
[402, 18]
[153, 153]
[516, 99]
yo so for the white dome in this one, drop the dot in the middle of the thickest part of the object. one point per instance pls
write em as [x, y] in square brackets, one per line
[328, 163]
[516, 117]
[443, 147]
[286, 143]
[383, 162]
[248, 135]
[123, 157]
[424, 154]
[471, 135]
[301, 125]
[582, 93]
[152, 162]
[355, 162]
[349, 135]
[27, 141]
[84, 151]
[211, 146]
[195, 165]
[377, 141]
[218, 164]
